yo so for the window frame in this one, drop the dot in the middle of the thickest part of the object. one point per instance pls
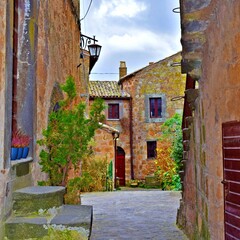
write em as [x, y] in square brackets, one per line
[155, 104]
[148, 117]
[112, 115]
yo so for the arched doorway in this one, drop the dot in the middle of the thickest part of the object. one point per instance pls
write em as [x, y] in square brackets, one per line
[120, 166]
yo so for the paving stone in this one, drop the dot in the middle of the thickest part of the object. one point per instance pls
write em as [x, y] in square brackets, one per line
[135, 215]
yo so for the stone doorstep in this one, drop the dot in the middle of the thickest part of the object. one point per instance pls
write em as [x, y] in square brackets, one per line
[26, 200]
[32, 227]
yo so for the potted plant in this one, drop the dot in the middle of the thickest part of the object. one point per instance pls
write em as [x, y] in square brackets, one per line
[20, 143]
[25, 145]
[15, 145]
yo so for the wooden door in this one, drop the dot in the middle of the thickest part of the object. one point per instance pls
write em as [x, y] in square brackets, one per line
[120, 166]
[231, 181]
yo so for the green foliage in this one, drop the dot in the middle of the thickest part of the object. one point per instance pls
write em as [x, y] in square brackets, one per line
[68, 134]
[93, 178]
[172, 131]
[169, 155]
[65, 234]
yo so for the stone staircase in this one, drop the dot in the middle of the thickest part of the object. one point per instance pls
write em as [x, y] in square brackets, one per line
[35, 209]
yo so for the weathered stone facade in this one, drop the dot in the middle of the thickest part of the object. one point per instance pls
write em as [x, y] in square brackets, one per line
[105, 144]
[46, 49]
[136, 127]
[211, 40]
[159, 79]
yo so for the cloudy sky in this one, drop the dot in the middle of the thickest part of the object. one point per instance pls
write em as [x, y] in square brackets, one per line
[135, 31]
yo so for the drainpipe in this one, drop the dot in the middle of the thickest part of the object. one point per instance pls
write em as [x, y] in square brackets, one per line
[131, 139]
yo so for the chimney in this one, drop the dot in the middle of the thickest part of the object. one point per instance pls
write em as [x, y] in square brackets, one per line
[122, 69]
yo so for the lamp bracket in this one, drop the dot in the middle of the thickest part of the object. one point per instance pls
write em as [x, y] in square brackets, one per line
[85, 41]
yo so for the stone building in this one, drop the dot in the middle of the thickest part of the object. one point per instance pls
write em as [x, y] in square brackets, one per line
[137, 107]
[117, 119]
[210, 39]
[40, 47]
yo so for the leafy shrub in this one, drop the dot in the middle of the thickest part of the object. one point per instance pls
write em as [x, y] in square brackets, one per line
[169, 154]
[67, 136]
[93, 178]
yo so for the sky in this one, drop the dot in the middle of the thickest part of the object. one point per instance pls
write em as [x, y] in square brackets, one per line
[134, 31]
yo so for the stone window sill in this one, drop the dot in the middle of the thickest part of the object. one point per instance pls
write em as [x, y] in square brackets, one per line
[20, 161]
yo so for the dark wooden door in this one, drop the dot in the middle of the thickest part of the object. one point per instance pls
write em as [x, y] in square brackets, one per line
[120, 166]
[231, 181]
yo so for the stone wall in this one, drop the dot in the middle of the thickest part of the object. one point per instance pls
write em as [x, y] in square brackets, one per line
[58, 57]
[157, 79]
[48, 51]
[211, 54]
[104, 141]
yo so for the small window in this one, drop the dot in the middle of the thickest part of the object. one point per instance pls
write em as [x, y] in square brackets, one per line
[151, 149]
[155, 107]
[113, 111]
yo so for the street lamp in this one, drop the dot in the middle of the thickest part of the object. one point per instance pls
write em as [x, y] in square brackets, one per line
[94, 49]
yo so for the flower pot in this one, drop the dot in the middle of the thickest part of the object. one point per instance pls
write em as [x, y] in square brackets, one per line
[25, 152]
[20, 152]
[14, 153]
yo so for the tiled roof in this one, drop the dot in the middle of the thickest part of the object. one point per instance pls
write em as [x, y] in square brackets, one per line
[106, 89]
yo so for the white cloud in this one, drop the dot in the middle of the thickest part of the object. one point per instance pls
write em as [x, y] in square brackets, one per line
[140, 40]
[120, 8]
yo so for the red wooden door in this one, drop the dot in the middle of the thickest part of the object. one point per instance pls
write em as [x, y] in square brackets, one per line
[120, 166]
[231, 181]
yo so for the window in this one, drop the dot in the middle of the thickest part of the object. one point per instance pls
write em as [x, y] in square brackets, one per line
[113, 111]
[155, 107]
[151, 149]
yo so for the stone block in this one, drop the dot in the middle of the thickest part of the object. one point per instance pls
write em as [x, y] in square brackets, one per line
[189, 120]
[186, 133]
[189, 65]
[186, 145]
[78, 217]
[185, 155]
[151, 181]
[22, 169]
[25, 228]
[195, 26]
[195, 5]
[26, 200]
[75, 216]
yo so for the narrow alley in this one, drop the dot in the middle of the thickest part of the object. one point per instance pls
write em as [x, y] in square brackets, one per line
[134, 215]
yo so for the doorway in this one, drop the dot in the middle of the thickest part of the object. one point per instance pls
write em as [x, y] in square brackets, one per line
[120, 166]
[231, 179]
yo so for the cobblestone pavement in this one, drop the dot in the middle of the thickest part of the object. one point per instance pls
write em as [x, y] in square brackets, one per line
[134, 215]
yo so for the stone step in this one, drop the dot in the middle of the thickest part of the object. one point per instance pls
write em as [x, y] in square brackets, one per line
[31, 199]
[75, 217]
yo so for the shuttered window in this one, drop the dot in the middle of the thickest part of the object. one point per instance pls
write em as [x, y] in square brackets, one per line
[113, 111]
[155, 107]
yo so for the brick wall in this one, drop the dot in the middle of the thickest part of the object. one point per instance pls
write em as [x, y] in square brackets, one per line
[210, 39]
